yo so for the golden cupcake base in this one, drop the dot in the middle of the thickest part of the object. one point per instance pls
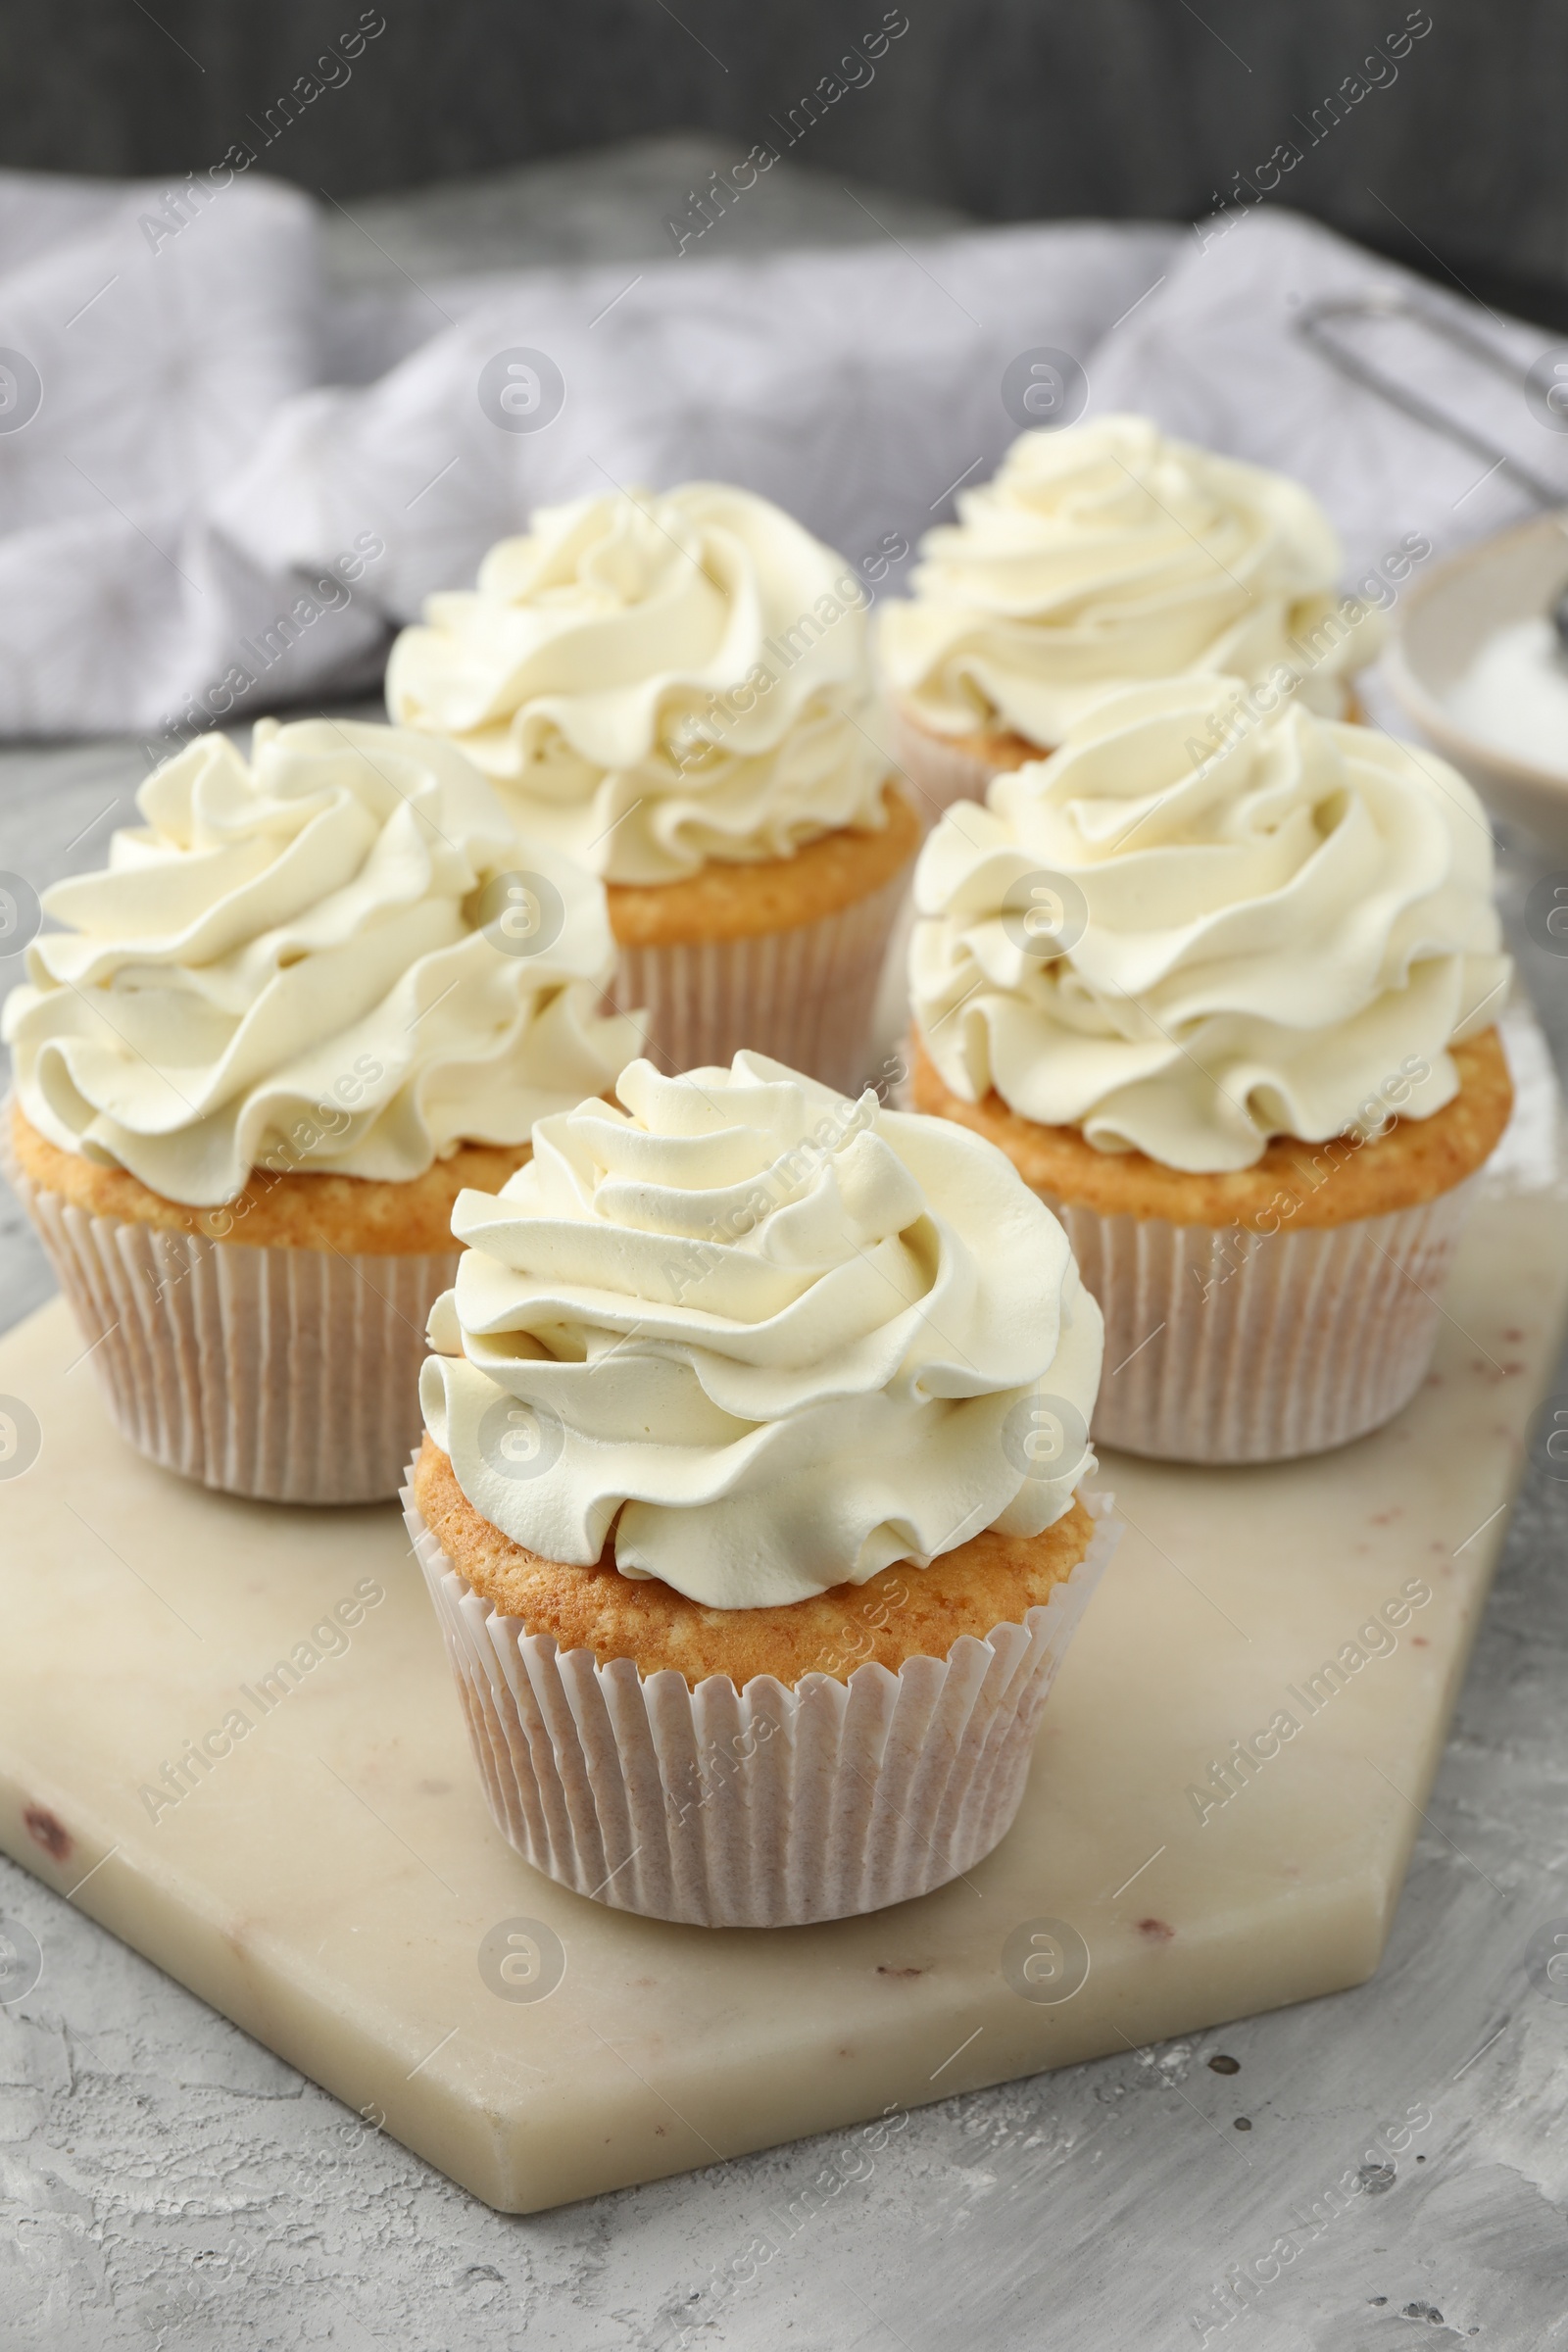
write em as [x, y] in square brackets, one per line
[750, 1801]
[781, 957]
[1278, 1310]
[273, 1346]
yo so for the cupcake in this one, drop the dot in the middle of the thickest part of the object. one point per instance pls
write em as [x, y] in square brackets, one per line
[314, 996]
[749, 1498]
[1100, 557]
[1230, 1014]
[674, 690]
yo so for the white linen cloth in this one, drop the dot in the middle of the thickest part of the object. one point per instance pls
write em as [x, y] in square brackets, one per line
[188, 477]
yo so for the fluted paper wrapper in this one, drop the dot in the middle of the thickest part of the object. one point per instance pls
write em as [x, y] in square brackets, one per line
[941, 770]
[803, 995]
[1228, 1346]
[286, 1375]
[765, 1808]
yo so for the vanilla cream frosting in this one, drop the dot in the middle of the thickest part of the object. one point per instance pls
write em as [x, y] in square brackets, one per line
[789, 1338]
[1107, 554]
[1279, 918]
[285, 965]
[656, 679]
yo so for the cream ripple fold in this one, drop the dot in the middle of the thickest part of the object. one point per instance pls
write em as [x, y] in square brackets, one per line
[787, 1337]
[1274, 930]
[297, 933]
[656, 679]
[1107, 554]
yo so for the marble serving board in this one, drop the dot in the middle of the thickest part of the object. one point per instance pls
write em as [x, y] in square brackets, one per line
[309, 1852]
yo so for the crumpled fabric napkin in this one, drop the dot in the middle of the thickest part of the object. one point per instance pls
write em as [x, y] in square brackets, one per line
[195, 527]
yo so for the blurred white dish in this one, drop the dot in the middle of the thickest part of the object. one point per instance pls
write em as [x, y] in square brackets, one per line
[1481, 683]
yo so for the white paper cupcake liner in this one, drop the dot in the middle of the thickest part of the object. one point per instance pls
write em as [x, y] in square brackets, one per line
[805, 995]
[286, 1375]
[939, 769]
[1229, 1346]
[763, 1808]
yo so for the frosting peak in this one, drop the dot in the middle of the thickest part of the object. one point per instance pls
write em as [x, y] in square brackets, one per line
[1188, 931]
[788, 1338]
[655, 679]
[1107, 554]
[308, 931]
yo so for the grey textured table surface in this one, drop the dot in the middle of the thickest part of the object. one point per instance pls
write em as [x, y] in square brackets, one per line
[167, 2184]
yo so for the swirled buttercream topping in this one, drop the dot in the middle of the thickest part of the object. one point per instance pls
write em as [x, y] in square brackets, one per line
[658, 679]
[1186, 933]
[788, 1338]
[1106, 554]
[337, 956]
